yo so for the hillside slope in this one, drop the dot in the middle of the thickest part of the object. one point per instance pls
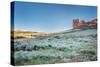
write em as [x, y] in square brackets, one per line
[75, 45]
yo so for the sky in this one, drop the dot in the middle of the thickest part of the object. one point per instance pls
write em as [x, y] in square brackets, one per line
[40, 17]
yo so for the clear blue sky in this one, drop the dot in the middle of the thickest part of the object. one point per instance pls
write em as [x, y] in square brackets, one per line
[49, 17]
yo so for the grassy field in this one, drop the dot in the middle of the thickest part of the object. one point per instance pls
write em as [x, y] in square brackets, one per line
[27, 34]
[75, 45]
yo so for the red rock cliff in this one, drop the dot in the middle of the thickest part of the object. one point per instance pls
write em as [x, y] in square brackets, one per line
[77, 23]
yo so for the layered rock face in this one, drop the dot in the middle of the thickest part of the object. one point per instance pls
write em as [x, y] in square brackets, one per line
[77, 23]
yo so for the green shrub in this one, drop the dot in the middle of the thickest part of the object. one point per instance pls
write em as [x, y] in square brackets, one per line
[91, 55]
[57, 37]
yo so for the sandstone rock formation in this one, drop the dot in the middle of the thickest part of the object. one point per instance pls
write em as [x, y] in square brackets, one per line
[77, 23]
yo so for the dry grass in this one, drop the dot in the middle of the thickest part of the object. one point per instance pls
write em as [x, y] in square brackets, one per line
[27, 34]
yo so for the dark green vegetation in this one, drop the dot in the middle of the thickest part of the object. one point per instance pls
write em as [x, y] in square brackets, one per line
[76, 45]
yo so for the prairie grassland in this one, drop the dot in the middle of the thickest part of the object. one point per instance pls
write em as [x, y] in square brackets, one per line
[27, 34]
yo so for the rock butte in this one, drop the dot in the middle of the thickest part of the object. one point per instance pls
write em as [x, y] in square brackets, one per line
[77, 23]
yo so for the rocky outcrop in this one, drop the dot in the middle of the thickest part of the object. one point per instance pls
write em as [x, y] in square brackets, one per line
[77, 23]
